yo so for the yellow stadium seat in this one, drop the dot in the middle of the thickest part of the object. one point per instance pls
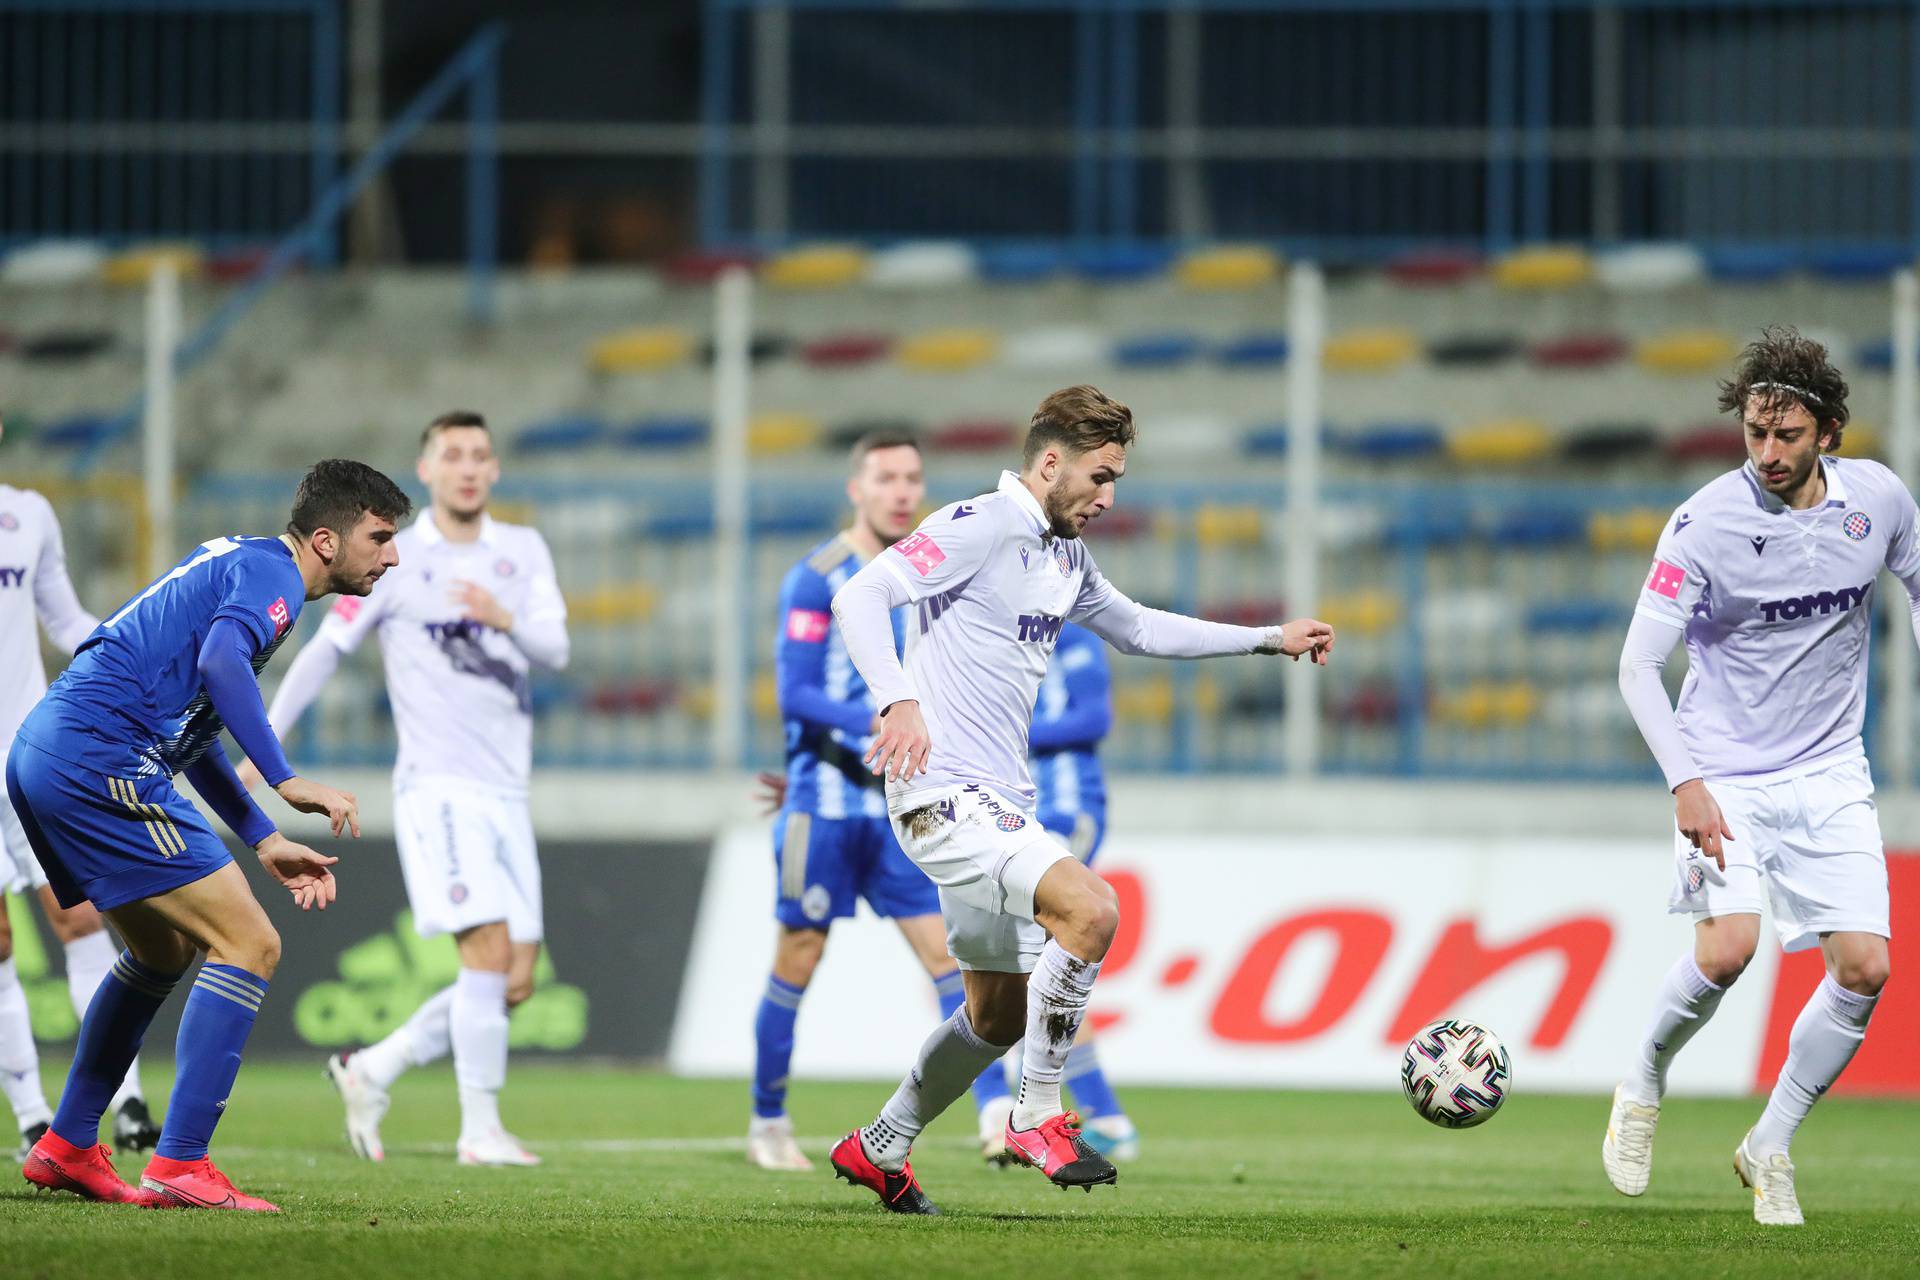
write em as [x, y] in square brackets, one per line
[1860, 440]
[765, 697]
[1515, 703]
[1637, 529]
[948, 350]
[697, 701]
[1227, 526]
[771, 433]
[1361, 612]
[1206, 694]
[1543, 267]
[613, 604]
[1149, 700]
[820, 266]
[1228, 267]
[1507, 442]
[1487, 703]
[133, 268]
[639, 350]
[1369, 350]
[1687, 351]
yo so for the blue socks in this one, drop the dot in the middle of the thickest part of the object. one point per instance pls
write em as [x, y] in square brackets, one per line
[110, 1036]
[1092, 1095]
[213, 1031]
[773, 1046]
[991, 1083]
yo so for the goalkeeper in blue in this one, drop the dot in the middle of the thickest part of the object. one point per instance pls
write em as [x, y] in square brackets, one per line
[91, 776]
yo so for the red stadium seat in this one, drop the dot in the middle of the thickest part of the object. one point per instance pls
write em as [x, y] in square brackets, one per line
[1579, 351]
[704, 268]
[1433, 267]
[975, 435]
[845, 350]
[633, 698]
[1717, 440]
[1244, 613]
[1121, 524]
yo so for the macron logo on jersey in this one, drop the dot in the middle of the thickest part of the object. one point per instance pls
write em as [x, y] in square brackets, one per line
[923, 553]
[1794, 608]
[809, 626]
[10, 577]
[1666, 579]
[281, 615]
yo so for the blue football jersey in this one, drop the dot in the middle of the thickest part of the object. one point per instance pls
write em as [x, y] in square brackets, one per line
[132, 700]
[1071, 715]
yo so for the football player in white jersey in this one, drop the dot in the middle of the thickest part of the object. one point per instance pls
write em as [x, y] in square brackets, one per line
[990, 581]
[472, 609]
[1767, 573]
[34, 586]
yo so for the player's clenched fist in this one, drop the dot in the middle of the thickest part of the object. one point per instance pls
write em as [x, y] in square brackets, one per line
[342, 810]
[1698, 816]
[1302, 636]
[901, 747]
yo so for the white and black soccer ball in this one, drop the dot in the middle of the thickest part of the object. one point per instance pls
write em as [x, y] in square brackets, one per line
[1455, 1074]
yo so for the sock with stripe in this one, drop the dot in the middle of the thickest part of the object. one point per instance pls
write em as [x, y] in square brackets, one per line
[1823, 1041]
[1685, 1003]
[478, 1026]
[19, 1057]
[88, 960]
[991, 1083]
[773, 1046]
[1092, 1095]
[213, 1032]
[425, 1037]
[110, 1036]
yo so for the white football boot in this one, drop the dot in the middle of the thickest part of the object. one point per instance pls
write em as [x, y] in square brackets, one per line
[993, 1132]
[1627, 1152]
[366, 1105]
[495, 1147]
[1774, 1202]
[770, 1145]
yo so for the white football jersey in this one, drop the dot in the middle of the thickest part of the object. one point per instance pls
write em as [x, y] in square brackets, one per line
[461, 692]
[1775, 605]
[34, 588]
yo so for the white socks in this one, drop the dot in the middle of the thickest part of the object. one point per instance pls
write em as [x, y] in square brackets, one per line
[425, 1037]
[19, 1058]
[949, 1060]
[1685, 1003]
[1056, 1002]
[478, 1018]
[1824, 1038]
[88, 960]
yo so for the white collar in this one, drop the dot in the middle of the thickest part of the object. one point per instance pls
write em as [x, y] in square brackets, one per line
[431, 536]
[1012, 485]
[1836, 488]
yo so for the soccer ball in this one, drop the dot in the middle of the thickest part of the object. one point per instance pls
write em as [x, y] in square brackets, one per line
[1455, 1074]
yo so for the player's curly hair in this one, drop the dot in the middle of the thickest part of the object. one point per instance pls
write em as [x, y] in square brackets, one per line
[337, 492]
[1079, 420]
[1788, 369]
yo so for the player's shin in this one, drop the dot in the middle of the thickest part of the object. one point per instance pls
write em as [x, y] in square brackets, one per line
[1057, 995]
[424, 1037]
[213, 1034]
[479, 1026]
[19, 1059]
[1685, 1002]
[1824, 1039]
[991, 1084]
[89, 958]
[773, 1046]
[116, 1021]
[948, 1062]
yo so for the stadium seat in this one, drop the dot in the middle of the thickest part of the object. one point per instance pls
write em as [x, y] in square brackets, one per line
[663, 433]
[1433, 267]
[842, 436]
[1121, 524]
[132, 269]
[1622, 441]
[66, 345]
[53, 263]
[1877, 356]
[845, 350]
[1469, 612]
[1375, 704]
[1223, 526]
[703, 268]
[1370, 350]
[1504, 442]
[1228, 267]
[976, 435]
[1636, 529]
[1578, 351]
[1262, 700]
[77, 431]
[235, 265]
[948, 350]
[1687, 351]
[1866, 263]
[1258, 612]
[923, 264]
[1156, 350]
[1541, 526]
[642, 697]
[1579, 617]
[1020, 263]
[1120, 263]
[1149, 701]
[639, 350]
[1204, 435]
[1253, 351]
[1473, 350]
[821, 266]
[1861, 440]
[683, 525]
[770, 434]
[1058, 347]
[1542, 267]
[1648, 268]
[1389, 441]
[792, 522]
[1427, 527]
[561, 435]
[761, 347]
[1488, 704]
[612, 604]
[1274, 439]
[1714, 441]
[1748, 265]
[1366, 612]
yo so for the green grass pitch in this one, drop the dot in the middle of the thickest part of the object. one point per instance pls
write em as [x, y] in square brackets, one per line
[645, 1176]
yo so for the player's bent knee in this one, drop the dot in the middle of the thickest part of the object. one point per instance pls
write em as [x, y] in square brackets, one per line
[1864, 977]
[519, 992]
[999, 1022]
[1723, 968]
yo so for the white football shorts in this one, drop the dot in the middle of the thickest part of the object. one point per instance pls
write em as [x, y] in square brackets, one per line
[987, 854]
[19, 870]
[468, 856]
[1810, 845]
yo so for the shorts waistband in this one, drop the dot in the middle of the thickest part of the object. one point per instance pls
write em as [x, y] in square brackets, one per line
[1856, 752]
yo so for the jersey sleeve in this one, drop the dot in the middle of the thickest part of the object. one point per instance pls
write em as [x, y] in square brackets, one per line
[61, 613]
[262, 597]
[1677, 581]
[540, 628]
[945, 552]
[1903, 547]
[353, 618]
[800, 656]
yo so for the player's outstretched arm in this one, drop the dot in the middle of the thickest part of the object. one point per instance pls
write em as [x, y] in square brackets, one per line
[1132, 627]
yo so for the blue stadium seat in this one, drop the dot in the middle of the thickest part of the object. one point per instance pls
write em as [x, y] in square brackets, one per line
[1021, 263]
[561, 435]
[77, 431]
[1390, 441]
[1543, 526]
[793, 521]
[1862, 263]
[1271, 439]
[1749, 266]
[1156, 350]
[676, 526]
[1254, 351]
[1877, 356]
[663, 433]
[1419, 527]
[1121, 263]
[1577, 616]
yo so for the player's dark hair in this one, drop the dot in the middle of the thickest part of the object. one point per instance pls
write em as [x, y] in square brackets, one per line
[337, 492]
[885, 438]
[452, 418]
[1787, 369]
[1077, 420]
